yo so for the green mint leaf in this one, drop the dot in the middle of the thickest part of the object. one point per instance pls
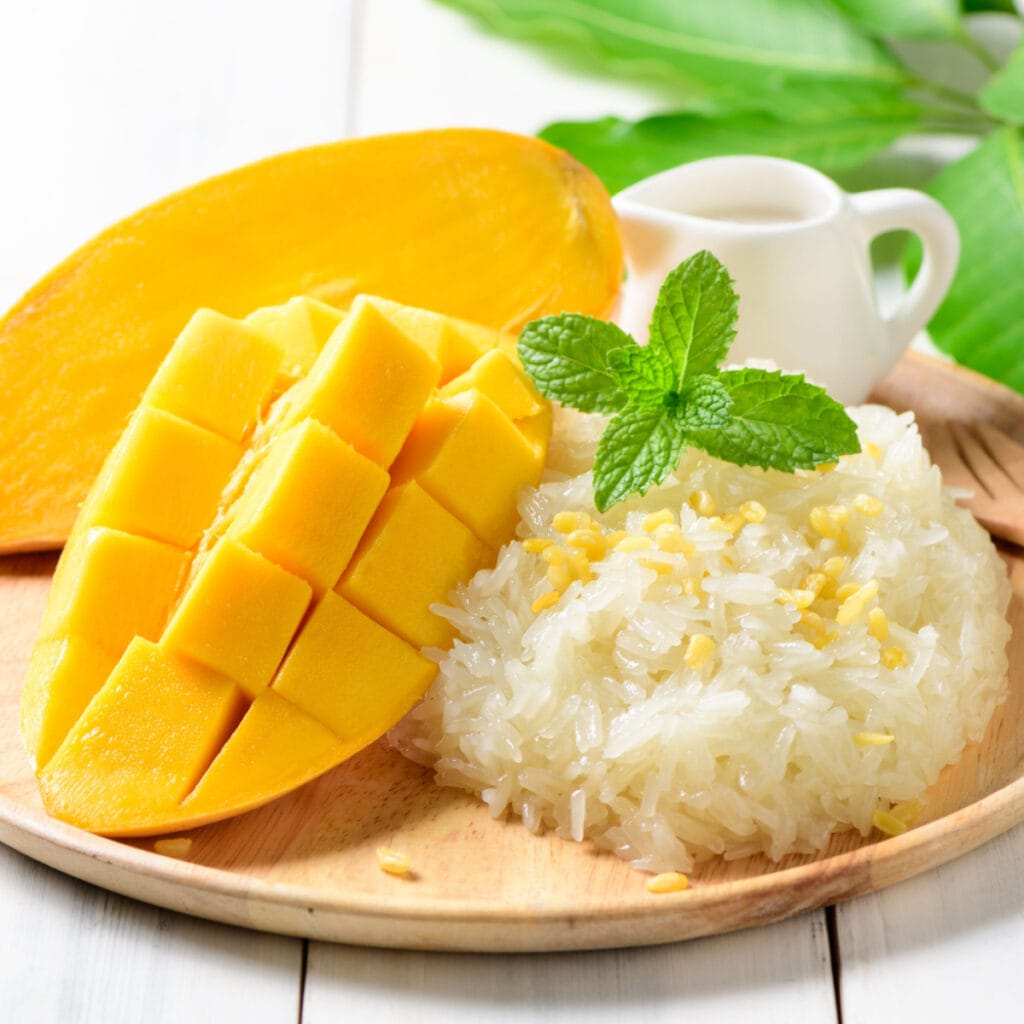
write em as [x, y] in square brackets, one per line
[639, 448]
[705, 404]
[777, 421]
[694, 319]
[567, 357]
[642, 372]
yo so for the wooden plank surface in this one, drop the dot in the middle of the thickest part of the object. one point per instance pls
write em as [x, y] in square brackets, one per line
[947, 943]
[71, 953]
[775, 975]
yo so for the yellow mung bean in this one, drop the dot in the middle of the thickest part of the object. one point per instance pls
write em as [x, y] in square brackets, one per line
[393, 862]
[868, 505]
[878, 624]
[653, 520]
[699, 650]
[702, 503]
[548, 600]
[668, 881]
[753, 511]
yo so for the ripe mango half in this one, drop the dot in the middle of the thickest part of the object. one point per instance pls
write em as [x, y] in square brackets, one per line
[486, 226]
[243, 599]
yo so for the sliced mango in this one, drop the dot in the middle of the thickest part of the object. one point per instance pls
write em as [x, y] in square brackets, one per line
[309, 467]
[368, 385]
[300, 327]
[455, 344]
[201, 659]
[471, 458]
[166, 480]
[275, 748]
[413, 554]
[114, 763]
[219, 375]
[349, 672]
[239, 615]
[111, 586]
[494, 228]
[497, 375]
[64, 676]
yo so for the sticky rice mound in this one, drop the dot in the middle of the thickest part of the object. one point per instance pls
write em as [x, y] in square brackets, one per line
[850, 642]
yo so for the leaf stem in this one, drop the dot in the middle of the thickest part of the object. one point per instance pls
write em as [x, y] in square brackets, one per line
[937, 117]
[973, 47]
[955, 96]
[940, 127]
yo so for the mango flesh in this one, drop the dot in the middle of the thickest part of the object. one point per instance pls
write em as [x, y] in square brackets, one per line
[242, 601]
[492, 228]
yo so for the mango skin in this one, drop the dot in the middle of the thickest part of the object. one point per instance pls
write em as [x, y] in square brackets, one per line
[487, 226]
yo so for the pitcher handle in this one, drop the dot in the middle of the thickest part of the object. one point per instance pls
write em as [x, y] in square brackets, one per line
[901, 209]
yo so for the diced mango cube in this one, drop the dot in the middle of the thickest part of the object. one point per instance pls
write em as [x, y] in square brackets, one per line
[471, 458]
[497, 375]
[350, 673]
[238, 615]
[307, 504]
[164, 479]
[455, 344]
[112, 772]
[537, 430]
[63, 676]
[300, 328]
[219, 375]
[413, 553]
[111, 586]
[275, 748]
[368, 384]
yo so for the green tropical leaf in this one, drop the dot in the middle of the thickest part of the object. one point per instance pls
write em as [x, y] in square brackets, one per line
[623, 152]
[1003, 95]
[912, 19]
[732, 42]
[1006, 6]
[981, 322]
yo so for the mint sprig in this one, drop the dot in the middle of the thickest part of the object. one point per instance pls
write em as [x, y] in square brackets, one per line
[671, 394]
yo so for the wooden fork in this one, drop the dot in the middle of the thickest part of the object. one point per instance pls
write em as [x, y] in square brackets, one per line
[981, 458]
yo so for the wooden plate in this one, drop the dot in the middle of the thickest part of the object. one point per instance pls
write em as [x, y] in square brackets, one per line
[305, 865]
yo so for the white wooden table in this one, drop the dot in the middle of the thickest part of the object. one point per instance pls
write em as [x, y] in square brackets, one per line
[107, 105]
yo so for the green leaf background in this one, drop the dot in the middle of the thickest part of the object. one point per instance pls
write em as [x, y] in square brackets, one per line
[831, 83]
[915, 19]
[1003, 95]
[981, 321]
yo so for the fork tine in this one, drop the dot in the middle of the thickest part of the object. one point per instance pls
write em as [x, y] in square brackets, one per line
[1007, 453]
[998, 503]
[986, 470]
[946, 455]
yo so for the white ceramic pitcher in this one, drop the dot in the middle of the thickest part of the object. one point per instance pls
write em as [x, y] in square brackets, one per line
[797, 246]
